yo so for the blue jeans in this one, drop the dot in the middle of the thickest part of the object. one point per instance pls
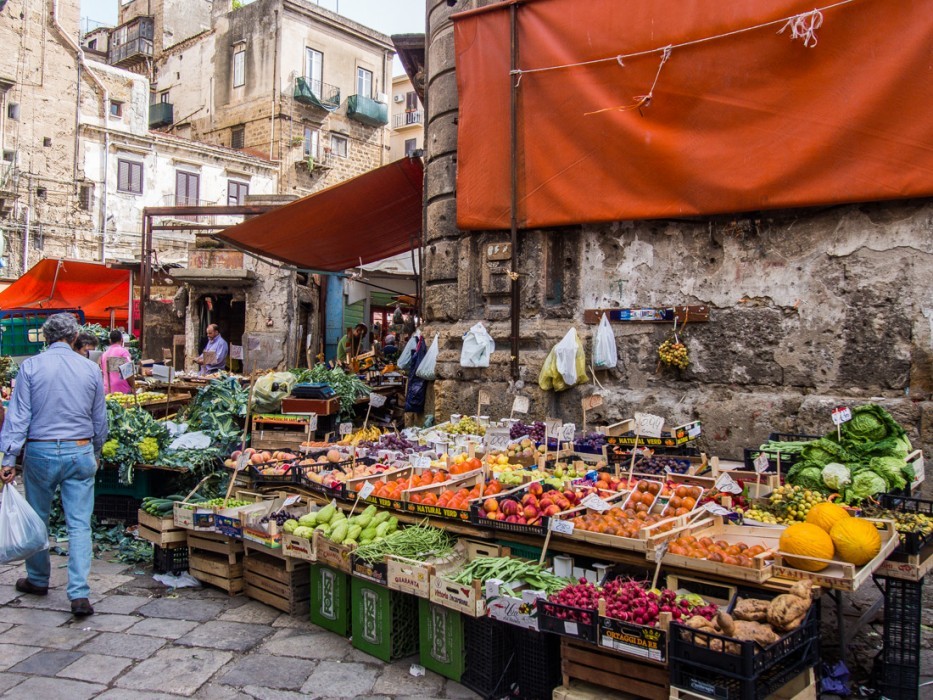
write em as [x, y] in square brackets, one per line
[66, 464]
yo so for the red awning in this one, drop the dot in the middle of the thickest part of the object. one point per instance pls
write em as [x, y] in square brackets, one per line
[371, 217]
[68, 284]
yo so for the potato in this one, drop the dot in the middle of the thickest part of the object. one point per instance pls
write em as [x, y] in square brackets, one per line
[751, 610]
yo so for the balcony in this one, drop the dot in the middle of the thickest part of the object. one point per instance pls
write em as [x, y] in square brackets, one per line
[414, 118]
[161, 114]
[131, 42]
[367, 111]
[317, 94]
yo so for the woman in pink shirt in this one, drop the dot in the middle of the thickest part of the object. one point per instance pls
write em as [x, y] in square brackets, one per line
[113, 382]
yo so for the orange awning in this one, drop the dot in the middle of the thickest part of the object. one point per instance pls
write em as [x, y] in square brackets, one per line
[371, 217]
[68, 284]
[666, 108]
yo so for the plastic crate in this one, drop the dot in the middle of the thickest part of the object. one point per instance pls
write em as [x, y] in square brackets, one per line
[911, 542]
[741, 670]
[538, 670]
[107, 483]
[114, 507]
[330, 599]
[490, 666]
[384, 623]
[568, 621]
[259, 479]
[521, 551]
[169, 560]
[899, 672]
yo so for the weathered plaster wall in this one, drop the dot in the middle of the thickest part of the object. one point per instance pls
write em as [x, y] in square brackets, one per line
[810, 308]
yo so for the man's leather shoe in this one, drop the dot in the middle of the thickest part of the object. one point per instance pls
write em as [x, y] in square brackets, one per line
[81, 607]
[24, 585]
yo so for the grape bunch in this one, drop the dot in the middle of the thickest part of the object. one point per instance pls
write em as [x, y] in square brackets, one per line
[535, 431]
[674, 354]
[660, 465]
[277, 518]
[466, 426]
[591, 442]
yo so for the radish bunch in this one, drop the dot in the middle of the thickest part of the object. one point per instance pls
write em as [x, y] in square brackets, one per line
[628, 601]
[582, 597]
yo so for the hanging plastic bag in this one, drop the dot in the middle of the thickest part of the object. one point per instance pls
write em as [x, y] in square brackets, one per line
[605, 354]
[22, 532]
[427, 370]
[565, 354]
[565, 365]
[478, 347]
[270, 389]
[404, 360]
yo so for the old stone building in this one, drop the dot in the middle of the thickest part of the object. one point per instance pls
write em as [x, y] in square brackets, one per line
[809, 307]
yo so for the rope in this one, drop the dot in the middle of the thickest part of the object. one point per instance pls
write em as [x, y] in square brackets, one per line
[641, 100]
[804, 26]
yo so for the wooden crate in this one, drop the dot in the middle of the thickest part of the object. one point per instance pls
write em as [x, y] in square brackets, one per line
[577, 690]
[281, 582]
[216, 560]
[216, 544]
[581, 661]
[803, 687]
[161, 531]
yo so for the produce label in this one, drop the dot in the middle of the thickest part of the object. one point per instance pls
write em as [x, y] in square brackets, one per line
[497, 439]
[648, 424]
[377, 400]
[761, 463]
[595, 503]
[567, 432]
[637, 640]
[521, 404]
[242, 461]
[236, 352]
[346, 428]
[841, 414]
[564, 527]
[553, 427]
[312, 422]
[590, 402]
[483, 399]
[328, 607]
[726, 484]
[291, 500]
[716, 509]
[367, 490]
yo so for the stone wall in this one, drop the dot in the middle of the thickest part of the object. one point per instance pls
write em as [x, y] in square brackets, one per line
[809, 308]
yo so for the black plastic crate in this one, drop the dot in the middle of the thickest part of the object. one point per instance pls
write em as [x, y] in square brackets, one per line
[910, 542]
[568, 621]
[491, 666]
[787, 460]
[538, 670]
[899, 675]
[169, 560]
[289, 477]
[122, 508]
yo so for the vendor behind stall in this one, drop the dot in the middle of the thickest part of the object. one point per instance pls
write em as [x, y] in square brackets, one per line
[113, 382]
[217, 345]
[351, 344]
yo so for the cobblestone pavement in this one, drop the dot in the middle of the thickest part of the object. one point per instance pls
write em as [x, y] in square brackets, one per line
[148, 643]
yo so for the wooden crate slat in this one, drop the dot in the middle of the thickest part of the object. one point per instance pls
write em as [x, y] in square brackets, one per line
[295, 608]
[283, 590]
[277, 571]
[591, 664]
[166, 538]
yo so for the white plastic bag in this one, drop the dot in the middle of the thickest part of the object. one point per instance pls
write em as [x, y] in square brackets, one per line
[478, 347]
[605, 355]
[22, 532]
[427, 369]
[404, 360]
[565, 354]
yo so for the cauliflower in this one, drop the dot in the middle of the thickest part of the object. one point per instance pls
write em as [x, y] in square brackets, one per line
[148, 450]
[109, 450]
[836, 476]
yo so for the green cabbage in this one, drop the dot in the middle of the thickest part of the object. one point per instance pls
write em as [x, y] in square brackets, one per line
[836, 476]
[865, 484]
[890, 469]
[824, 451]
[807, 475]
[870, 423]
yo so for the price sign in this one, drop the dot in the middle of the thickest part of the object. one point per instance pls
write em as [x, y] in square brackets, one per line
[595, 503]
[726, 484]
[420, 461]
[127, 370]
[236, 352]
[377, 400]
[761, 463]
[345, 428]
[841, 414]
[660, 552]
[166, 355]
[716, 509]
[291, 500]
[312, 423]
[367, 490]
[496, 439]
[563, 527]
[521, 404]
[571, 628]
[483, 398]
[567, 432]
[591, 402]
[648, 425]
[242, 461]
[553, 426]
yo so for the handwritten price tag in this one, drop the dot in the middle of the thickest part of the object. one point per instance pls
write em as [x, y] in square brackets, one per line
[496, 439]
[127, 370]
[345, 428]
[648, 425]
[242, 461]
[483, 398]
[591, 402]
[595, 503]
[761, 463]
[726, 484]
[567, 432]
[367, 490]
[312, 422]
[716, 509]
[841, 414]
[420, 461]
[377, 400]
[563, 527]
[553, 426]
[236, 352]
[291, 500]
[521, 404]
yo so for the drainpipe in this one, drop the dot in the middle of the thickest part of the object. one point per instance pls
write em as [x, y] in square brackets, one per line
[513, 165]
[103, 198]
[26, 232]
[74, 175]
[66, 37]
[275, 74]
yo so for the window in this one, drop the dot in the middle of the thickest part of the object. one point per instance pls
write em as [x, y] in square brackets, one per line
[42, 193]
[238, 137]
[312, 142]
[364, 82]
[116, 109]
[239, 68]
[8, 155]
[12, 111]
[339, 145]
[411, 145]
[236, 193]
[129, 176]
[411, 101]
[46, 141]
[85, 195]
[314, 71]
[163, 97]
[187, 186]
[92, 44]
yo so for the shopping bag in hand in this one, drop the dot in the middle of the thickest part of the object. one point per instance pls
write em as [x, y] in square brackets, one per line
[22, 532]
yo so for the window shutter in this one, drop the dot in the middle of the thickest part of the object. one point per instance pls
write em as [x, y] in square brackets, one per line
[136, 177]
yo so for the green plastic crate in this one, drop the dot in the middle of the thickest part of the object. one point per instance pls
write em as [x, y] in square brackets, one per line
[522, 551]
[330, 599]
[384, 622]
[441, 640]
[107, 483]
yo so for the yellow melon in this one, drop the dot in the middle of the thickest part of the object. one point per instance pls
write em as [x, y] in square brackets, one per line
[825, 515]
[810, 541]
[857, 541]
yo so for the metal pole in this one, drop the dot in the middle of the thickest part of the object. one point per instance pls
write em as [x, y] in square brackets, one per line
[145, 273]
[513, 165]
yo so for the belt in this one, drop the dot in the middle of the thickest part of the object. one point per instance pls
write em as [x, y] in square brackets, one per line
[80, 442]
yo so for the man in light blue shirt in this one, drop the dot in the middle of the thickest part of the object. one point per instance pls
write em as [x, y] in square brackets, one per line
[217, 345]
[57, 412]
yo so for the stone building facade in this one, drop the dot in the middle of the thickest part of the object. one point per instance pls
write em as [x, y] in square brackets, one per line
[809, 308]
[407, 119]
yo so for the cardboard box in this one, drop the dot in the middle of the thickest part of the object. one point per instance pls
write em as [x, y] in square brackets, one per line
[409, 576]
[519, 611]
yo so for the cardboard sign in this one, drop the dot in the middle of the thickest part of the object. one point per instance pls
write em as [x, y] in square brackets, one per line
[377, 400]
[552, 426]
[312, 422]
[594, 502]
[291, 500]
[648, 425]
[236, 352]
[114, 364]
[521, 404]
[127, 370]
[242, 461]
[483, 398]
[345, 428]
[841, 414]
[564, 527]
[590, 402]
[761, 463]
[568, 432]
[716, 509]
[367, 490]
[726, 484]
[496, 439]
[420, 461]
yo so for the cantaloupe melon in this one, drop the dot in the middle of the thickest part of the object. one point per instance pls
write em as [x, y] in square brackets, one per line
[810, 541]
